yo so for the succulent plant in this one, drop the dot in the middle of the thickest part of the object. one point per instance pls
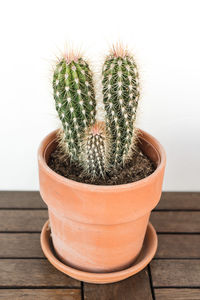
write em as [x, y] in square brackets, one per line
[75, 101]
[97, 146]
[94, 151]
[120, 96]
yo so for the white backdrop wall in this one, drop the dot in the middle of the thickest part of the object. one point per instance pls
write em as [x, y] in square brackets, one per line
[165, 38]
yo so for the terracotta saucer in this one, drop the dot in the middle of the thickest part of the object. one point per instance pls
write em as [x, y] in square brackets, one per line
[147, 253]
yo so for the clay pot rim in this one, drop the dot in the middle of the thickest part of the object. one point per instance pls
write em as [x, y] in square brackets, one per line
[101, 188]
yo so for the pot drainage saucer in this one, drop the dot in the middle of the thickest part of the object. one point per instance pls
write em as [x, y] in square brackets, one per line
[147, 253]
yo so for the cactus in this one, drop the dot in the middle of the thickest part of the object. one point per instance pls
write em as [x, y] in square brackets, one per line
[94, 151]
[120, 97]
[75, 101]
[96, 146]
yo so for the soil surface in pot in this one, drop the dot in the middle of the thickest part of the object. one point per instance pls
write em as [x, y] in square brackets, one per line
[138, 167]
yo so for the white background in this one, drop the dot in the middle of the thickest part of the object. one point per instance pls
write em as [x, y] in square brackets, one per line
[166, 43]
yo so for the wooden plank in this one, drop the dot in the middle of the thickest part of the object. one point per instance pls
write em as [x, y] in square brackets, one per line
[169, 200]
[41, 294]
[164, 221]
[16, 199]
[32, 273]
[133, 288]
[20, 245]
[179, 200]
[178, 246]
[177, 294]
[176, 221]
[22, 220]
[25, 245]
[175, 273]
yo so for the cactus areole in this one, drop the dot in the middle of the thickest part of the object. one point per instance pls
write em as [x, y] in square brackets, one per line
[97, 147]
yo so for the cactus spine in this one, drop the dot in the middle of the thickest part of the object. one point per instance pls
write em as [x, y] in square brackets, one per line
[75, 101]
[120, 96]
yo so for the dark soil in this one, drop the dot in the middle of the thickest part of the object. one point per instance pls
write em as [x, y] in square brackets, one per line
[138, 167]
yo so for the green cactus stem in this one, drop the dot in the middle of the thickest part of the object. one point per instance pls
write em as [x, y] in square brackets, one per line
[120, 95]
[94, 151]
[75, 101]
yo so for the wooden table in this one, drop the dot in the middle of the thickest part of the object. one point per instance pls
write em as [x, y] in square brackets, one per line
[26, 274]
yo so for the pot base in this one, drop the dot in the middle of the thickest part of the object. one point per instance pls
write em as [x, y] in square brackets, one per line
[147, 253]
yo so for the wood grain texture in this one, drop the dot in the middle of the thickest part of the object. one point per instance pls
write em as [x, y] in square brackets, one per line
[30, 220]
[24, 245]
[175, 273]
[22, 220]
[179, 200]
[133, 288]
[178, 246]
[21, 200]
[32, 273]
[40, 294]
[176, 221]
[177, 294]
[20, 245]
[169, 200]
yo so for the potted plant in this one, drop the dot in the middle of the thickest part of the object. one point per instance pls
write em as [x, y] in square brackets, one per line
[99, 179]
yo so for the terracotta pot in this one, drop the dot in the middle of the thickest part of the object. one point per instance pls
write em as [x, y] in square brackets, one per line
[100, 228]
